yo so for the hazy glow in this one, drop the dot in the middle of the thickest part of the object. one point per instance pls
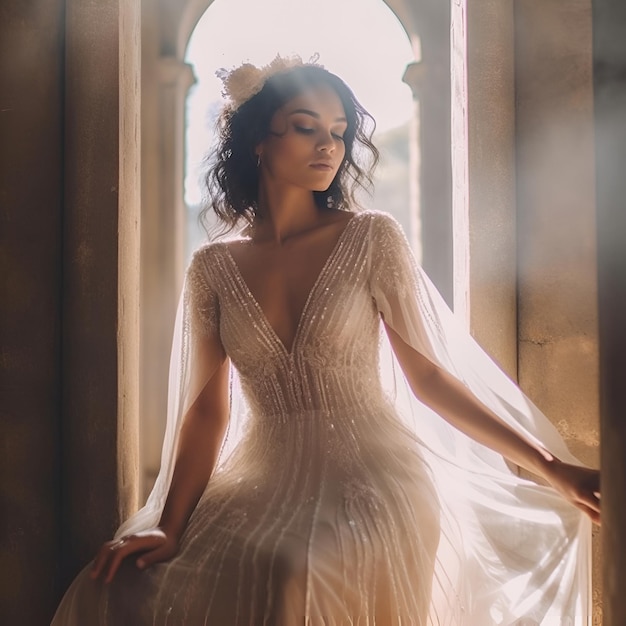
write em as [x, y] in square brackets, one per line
[360, 40]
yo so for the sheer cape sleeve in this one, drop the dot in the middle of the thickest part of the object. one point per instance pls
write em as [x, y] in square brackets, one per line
[525, 549]
[196, 353]
[510, 551]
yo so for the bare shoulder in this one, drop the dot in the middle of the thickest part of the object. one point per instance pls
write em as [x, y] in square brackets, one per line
[334, 223]
[340, 219]
[329, 225]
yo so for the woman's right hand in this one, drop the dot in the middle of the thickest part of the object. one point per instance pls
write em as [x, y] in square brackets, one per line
[154, 545]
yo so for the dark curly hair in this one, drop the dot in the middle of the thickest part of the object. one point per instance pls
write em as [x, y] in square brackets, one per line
[232, 178]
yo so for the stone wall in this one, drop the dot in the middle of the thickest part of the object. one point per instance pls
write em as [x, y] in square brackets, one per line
[69, 166]
[483, 157]
[556, 235]
[31, 221]
[609, 50]
[525, 244]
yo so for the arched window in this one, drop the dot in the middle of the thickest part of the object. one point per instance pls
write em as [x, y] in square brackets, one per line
[360, 40]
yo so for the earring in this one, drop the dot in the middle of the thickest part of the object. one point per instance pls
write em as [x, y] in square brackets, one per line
[330, 202]
[258, 160]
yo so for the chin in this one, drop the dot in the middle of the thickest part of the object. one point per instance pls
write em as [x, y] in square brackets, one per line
[322, 184]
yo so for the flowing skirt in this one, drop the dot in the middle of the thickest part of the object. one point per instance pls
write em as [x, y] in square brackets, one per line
[327, 525]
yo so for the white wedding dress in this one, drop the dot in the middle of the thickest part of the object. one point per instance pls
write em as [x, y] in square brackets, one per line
[339, 499]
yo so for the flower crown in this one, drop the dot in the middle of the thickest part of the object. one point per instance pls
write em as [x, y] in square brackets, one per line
[245, 81]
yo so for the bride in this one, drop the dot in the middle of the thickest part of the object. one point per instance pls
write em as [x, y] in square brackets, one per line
[299, 483]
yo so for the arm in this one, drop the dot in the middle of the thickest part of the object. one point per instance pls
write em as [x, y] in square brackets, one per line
[201, 438]
[203, 404]
[200, 441]
[453, 401]
[450, 373]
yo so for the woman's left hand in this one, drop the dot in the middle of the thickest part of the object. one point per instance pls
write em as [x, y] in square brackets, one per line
[579, 485]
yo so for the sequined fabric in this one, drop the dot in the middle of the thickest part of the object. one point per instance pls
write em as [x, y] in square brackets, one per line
[327, 510]
[324, 512]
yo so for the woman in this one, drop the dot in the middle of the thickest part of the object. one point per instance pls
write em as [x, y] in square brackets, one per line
[335, 504]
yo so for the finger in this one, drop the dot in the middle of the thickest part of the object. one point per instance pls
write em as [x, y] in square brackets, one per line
[102, 558]
[117, 553]
[591, 501]
[163, 553]
[126, 548]
[594, 515]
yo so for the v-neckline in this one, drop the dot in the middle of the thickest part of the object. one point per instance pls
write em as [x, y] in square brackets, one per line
[325, 267]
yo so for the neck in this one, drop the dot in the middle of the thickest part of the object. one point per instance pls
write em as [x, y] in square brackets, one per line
[283, 212]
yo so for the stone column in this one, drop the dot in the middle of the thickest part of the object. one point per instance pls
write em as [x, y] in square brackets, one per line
[483, 164]
[164, 223]
[429, 80]
[557, 280]
[69, 207]
[31, 218]
[523, 178]
[100, 274]
[609, 65]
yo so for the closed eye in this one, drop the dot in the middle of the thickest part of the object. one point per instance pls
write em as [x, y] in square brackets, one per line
[304, 130]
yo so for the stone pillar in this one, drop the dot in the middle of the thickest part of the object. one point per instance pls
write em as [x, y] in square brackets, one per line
[164, 223]
[100, 274]
[556, 214]
[31, 218]
[609, 51]
[523, 178]
[175, 80]
[151, 329]
[412, 77]
[483, 163]
[68, 161]
[557, 280]
[429, 80]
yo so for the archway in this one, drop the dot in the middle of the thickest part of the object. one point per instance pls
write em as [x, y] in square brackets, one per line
[374, 75]
[164, 216]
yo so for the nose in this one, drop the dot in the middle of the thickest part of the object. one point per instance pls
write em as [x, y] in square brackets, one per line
[326, 142]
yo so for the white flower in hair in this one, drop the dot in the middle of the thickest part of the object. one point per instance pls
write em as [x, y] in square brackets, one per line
[245, 81]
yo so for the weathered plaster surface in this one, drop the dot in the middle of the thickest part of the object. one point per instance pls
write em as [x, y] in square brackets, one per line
[556, 233]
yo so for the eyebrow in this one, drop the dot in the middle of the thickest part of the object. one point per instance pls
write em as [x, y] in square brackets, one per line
[316, 115]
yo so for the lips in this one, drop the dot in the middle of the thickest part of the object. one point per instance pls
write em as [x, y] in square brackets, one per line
[325, 166]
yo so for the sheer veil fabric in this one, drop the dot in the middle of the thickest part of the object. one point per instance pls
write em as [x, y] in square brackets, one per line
[372, 509]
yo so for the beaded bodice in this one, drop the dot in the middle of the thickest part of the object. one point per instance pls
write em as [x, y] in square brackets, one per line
[333, 362]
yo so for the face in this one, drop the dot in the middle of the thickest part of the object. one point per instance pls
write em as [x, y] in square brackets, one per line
[305, 147]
